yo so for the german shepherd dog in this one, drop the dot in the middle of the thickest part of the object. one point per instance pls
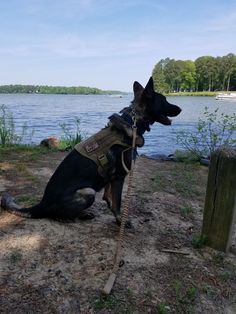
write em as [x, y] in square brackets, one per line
[73, 186]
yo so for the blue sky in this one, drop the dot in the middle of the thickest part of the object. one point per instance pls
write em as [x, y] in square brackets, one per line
[107, 43]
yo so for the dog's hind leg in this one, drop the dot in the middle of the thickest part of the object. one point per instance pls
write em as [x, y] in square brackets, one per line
[74, 207]
[85, 198]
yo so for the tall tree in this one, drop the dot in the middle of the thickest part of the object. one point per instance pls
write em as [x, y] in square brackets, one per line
[188, 75]
[206, 71]
[172, 73]
[229, 66]
[159, 77]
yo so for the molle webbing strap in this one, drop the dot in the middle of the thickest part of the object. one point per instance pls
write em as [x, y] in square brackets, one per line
[97, 147]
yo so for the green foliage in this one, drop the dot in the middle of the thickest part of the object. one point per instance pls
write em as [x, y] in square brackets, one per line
[181, 180]
[186, 211]
[227, 276]
[71, 134]
[159, 77]
[7, 127]
[108, 303]
[199, 241]
[15, 257]
[206, 73]
[8, 136]
[29, 89]
[215, 130]
[226, 71]
[185, 156]
[205, 94]
[188, 75]
[161, 309]
[185, 297]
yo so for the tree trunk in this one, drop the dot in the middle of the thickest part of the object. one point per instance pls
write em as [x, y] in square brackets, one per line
[196, 86]
[209, 88]
[223, 83]
[228, 83]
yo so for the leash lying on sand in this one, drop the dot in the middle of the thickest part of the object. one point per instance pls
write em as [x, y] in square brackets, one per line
[111, 280]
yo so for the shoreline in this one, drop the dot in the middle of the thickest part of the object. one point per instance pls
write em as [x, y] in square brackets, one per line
[111, 93]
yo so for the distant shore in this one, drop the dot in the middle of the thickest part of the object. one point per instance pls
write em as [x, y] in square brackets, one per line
[84, 90]
[210, 94]
[205, 93]
[60, 90]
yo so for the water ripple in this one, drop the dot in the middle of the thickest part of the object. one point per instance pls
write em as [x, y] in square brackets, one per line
[45, 113]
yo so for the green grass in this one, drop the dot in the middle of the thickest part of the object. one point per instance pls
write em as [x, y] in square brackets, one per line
[161, 309]
[27, 200]
[23, 148]
[33, 151]
[15, 257]
[209, 290]
[108, 303]
[180, 178]
[198, 241]
[186, 156]
[126, 303]
[210, 94]
[204, 93]
[185, 297]
[186, 211]
[111, 303]
[226, 276]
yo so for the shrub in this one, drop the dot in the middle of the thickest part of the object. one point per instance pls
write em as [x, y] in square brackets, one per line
[199, 241]
[215, 130]
[71, 134]
[8, 135]
[7, 127]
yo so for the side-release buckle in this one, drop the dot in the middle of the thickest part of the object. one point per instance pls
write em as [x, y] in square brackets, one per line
[103, 160]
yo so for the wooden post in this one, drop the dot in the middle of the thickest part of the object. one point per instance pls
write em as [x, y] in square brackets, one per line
[220, 202]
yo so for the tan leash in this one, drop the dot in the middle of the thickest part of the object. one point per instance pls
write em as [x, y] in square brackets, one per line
[125, 212]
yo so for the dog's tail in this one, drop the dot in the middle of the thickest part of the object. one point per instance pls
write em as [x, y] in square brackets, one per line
[8, 203]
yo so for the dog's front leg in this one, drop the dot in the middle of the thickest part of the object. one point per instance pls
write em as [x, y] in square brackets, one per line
[116, 195]
[107, 195]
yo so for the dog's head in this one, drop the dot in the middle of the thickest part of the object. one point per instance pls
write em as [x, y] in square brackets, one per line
[154, 105]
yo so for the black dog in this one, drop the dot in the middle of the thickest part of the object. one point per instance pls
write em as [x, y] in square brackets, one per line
[101, 161]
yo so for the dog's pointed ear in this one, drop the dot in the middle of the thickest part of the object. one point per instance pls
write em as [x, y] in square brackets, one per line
[137, 87]
[149, 88]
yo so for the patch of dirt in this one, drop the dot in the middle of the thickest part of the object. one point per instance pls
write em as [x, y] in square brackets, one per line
[52, 267]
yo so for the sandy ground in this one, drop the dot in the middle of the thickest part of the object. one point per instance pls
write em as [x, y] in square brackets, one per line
[54, 267]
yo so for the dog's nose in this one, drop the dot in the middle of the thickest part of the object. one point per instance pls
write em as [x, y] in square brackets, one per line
[178, 110]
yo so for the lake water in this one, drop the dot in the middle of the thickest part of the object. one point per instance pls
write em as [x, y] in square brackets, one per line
[45, 113]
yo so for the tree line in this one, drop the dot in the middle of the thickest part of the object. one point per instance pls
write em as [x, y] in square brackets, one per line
[37, 89]
[206, 73]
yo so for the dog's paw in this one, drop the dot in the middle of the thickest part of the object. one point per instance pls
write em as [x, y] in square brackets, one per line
[128, 223]
[107, 200]
[86, 216]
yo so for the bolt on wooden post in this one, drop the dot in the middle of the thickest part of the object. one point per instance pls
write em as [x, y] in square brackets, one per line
[220, 203]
